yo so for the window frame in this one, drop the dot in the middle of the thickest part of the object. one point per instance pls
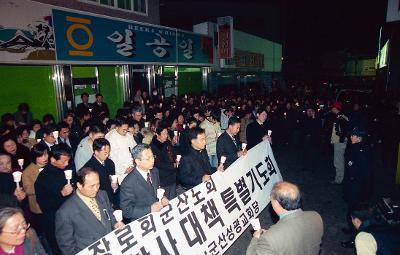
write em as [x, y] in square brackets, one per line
[115, 6]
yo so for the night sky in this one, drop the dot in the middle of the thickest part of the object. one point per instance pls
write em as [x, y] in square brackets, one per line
[307, 29]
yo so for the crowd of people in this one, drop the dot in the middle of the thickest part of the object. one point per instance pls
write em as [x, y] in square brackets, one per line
[77, 172]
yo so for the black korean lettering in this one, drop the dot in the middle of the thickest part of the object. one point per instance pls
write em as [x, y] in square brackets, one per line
[171, 240]
[97, 247]
[230, 202]
[250, 212]
[183, 203]
[244, 192]
[270, 166]
[222, 241]
[229, 233]
[147, 224]
[125, 238]
[196, 196]
[212, 248]
[143, 251]
[253, 177]
[210, 185]
[244, 219]
[200, 237]
[255, 207]
[165, 217]
[236, 226]
[262, 174]
[211, 214]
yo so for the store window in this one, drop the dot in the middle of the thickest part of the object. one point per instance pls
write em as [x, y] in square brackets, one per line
[136, 6]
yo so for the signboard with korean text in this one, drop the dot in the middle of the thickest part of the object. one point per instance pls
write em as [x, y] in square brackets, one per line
[46, 34]
[204, 220]
[247, 59]
[88, 38]
[28, 38]
[225, 37]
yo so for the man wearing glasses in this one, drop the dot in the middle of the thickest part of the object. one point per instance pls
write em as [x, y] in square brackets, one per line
[138, 191]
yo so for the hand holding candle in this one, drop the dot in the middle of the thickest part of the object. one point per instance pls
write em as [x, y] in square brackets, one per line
[17, 177]
[178, 159]
[21, 163]
[255, 223]
[223, 159]
[160, 194]
[269, 132]
[244, 145]
[114, 181]
[55, 134]
[118, 215]
[68, 175]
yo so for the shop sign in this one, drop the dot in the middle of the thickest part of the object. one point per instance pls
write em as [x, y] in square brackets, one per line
[225, 37]
[246, 59]
[82, 37]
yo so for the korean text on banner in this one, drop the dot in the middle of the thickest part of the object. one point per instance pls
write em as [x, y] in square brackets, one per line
[204, 220]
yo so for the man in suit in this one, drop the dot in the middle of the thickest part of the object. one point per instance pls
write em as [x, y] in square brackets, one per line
[195, 167]
[86, 216]
[105, 167]
[297, 232]
[138, 191]
[83, 107]
[48, 136]
[52, 189]
[64, 136]
[100, 109]
[228, 143]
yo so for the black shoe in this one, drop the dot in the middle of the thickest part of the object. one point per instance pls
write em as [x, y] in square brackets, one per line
[348, 244]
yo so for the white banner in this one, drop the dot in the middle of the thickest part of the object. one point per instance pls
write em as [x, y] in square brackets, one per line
[393, 11]
[204, 220]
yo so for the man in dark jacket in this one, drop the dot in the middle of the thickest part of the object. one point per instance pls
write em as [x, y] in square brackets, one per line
[195, 167]
[100, 109]
[311, 133]
[105, 167]
[257, 131]
[165, 160]
[52, 189]
[228, 143]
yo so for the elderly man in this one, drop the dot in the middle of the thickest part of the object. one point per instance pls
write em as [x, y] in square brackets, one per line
[296, 233]
[86, 216]
[138, 191]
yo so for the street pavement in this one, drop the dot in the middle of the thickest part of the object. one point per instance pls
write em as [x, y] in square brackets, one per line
[319, 195]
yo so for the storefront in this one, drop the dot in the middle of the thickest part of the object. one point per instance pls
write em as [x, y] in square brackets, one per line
[51, 55]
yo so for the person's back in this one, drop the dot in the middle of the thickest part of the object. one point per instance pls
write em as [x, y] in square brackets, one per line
[304, 231]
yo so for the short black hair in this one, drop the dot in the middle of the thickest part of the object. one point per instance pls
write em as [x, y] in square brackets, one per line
[81, 174]
[48, 117]
[362, 211]
[121, 121]
[99, 95]
[96, 128]
[59, 150]
[194, 132]
[163, 125]
[84, 94]
[38, 150]
[21, 130]
[99, 143]
[50, 128]
[233, 120]
[63, 124]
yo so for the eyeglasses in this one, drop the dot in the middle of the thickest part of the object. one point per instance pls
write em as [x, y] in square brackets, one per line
[22, 227]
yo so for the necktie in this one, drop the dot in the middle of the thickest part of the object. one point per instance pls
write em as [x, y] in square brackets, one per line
[95, 208]
[234, 141]
[149, 181]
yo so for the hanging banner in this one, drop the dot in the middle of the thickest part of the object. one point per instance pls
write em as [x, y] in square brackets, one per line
[225, 37]
[26, 36]
[204, 220]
